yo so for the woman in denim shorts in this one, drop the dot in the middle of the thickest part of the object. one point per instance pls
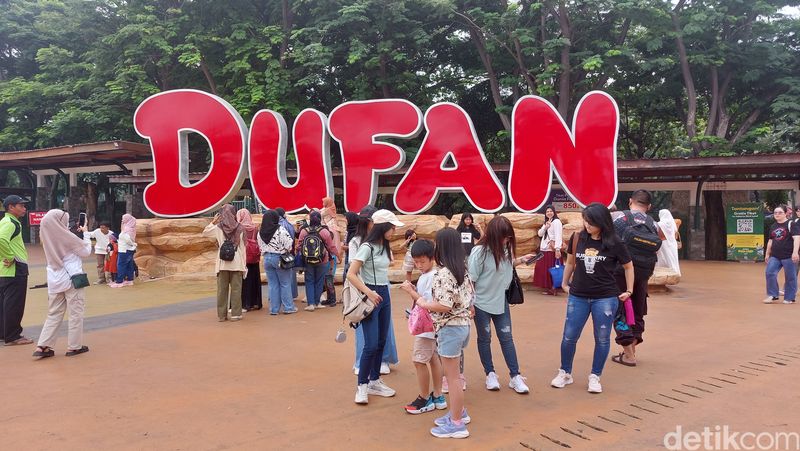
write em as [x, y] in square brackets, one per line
[451, 310]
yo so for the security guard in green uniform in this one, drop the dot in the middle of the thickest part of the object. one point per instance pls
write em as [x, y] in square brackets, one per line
[13, 272]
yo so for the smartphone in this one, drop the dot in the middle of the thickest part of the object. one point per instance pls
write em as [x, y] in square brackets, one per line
[81, 219]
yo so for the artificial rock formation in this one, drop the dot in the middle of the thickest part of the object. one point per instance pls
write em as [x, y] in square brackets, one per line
[176, 247]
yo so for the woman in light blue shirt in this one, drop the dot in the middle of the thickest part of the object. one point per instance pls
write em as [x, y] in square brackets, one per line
[491, 264]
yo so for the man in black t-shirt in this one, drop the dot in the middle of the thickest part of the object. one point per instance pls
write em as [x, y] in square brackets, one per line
[782, 252]
[639, 205]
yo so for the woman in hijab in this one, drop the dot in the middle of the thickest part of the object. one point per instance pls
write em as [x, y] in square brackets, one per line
[224, 227]
[63, 252]
[315, 272]
[251, 288]
[275, 241]
[668, 253]
[126, 244]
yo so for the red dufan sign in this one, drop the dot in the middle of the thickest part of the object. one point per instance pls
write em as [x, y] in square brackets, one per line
[450, 158]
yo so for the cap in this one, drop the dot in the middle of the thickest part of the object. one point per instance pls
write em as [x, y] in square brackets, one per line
[13, 200]
[382, 216]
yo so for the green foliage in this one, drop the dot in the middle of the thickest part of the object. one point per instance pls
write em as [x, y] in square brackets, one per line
[74, 71]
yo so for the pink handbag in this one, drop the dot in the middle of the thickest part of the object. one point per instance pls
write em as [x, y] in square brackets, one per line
[630, 319]
[419, 321]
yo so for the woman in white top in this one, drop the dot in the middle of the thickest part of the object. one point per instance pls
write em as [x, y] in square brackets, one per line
[230, 273]
[63, 251]
[126, 243]
[551, 234]
[274, 241]
[668, 252]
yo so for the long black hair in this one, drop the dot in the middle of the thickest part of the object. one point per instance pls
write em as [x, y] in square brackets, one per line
[378, 236]
[364, 218]
[555, 213]
[596, 214]
[450, 253]
[462, 227]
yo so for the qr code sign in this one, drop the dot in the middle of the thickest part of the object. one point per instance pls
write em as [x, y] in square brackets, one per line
[744, 226]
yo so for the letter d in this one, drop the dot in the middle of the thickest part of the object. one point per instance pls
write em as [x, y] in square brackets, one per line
[672, 440]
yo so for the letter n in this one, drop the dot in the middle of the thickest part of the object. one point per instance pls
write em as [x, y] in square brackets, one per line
[584, 159]
[167, 119]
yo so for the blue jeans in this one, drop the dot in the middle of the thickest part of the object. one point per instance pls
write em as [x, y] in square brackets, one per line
[315, 278]
[389, 351]
[502, 326]
[774, 266]
[280, 285]
[603, 311]
[376, 329]
[124, 266]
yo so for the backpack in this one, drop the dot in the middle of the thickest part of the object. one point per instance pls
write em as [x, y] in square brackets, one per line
[252, 248]
[313, 248]
[227, 251]
[356, 306]
[642, 241]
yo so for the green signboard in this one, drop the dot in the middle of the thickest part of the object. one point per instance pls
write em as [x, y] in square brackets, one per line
[745, 224]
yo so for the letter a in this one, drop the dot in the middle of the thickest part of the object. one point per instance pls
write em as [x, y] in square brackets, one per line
[358, 126]
[584, 159]
[268, 161]
[167, 119]
[450, 138]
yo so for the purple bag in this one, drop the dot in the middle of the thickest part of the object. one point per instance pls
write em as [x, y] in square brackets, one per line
[630, 319]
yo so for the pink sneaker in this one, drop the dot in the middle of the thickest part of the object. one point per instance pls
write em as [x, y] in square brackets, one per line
[127, 283]
[115, 285]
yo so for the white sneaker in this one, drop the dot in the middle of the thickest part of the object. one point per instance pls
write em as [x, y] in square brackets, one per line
[561, 380]
[361, 394]
[518, 384]
[378, 388]
[320, 306]
[769, 300]
[594, 384]
[355, 370]
[385, 368]
[310, 308]
[491, 382]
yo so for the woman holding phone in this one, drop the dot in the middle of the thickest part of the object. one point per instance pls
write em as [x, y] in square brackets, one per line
[592, 257]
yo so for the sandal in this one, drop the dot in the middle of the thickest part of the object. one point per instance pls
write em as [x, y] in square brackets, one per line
[77, 351]
[619, 358]
[43, 352]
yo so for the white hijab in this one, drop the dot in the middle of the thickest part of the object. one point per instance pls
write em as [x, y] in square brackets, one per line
[668, 253]
[57, 240]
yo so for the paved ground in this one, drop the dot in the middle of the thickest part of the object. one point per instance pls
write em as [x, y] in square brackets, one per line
[163, 374]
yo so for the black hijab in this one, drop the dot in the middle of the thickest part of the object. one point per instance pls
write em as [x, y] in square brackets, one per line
[269, 225]
[352, 225]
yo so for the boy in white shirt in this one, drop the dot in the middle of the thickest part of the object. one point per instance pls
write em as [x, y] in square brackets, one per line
[426, 360]
[100, 235]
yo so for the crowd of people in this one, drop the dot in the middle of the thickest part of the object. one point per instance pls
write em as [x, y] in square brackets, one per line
[466, 275]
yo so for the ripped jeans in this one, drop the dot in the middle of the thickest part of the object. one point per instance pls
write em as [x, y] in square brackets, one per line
[603, 311]
[502, 326]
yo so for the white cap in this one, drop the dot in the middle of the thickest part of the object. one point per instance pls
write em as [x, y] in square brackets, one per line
[382, 216]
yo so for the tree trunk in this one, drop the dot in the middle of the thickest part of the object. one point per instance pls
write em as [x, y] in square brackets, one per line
[480, 45]
[564, 80]
[286, 22]
[91, 205]
[384, 77]
[688, 81]
[716, 236]
[212, 85]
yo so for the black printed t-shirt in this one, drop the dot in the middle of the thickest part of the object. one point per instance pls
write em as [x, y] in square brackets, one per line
[469, 235]
[782, 241]
[594, 268]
